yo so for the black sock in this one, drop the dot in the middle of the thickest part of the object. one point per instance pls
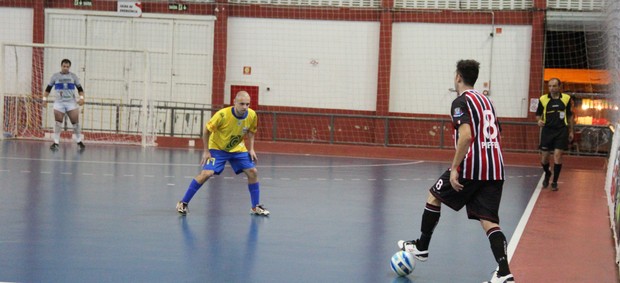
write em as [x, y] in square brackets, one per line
[430, 218]
[498, 246]
[556, 172]
[546, 169]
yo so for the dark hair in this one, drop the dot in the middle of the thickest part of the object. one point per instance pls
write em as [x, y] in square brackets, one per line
[468, 69]
[559, 81]
[65, 61]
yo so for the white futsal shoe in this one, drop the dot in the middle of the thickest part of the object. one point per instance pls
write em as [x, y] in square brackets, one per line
[411, 247]
[503, 279]
[182, 207]
[259, 210]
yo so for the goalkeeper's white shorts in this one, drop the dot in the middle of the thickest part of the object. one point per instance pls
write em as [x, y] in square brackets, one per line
[65, 106]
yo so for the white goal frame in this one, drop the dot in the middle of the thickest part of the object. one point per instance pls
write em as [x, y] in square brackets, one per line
[147, 112]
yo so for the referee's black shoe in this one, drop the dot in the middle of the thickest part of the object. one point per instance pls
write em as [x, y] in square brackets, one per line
[546, 180]
[554, 186]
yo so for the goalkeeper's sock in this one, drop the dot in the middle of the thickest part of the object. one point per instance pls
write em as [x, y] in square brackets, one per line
[57, 130]
[77, 131]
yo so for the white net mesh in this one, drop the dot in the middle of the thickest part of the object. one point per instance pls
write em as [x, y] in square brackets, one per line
[324, 71]
[116, 83]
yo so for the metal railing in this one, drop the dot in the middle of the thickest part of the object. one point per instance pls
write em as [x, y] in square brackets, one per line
[391, 131]
[187, 120]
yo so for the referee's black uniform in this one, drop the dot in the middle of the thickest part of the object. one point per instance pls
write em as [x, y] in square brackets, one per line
[557, 114]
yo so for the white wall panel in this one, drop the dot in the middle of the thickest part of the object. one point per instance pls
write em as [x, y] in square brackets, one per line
[17, 27]
[156, 35]
[181, 53]
[424, 62]
[318, 64]
[105, 75]
[192, 72]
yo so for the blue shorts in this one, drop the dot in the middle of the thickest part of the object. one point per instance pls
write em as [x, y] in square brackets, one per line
[239, 161]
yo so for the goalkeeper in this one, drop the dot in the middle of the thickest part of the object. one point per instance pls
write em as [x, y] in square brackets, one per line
[66, 83]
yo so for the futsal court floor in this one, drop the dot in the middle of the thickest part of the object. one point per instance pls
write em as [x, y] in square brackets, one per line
[107, 214]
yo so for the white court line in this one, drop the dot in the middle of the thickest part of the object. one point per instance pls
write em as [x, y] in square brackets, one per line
[516, 237]
[195, 165]
[342, 166]
[99, 162]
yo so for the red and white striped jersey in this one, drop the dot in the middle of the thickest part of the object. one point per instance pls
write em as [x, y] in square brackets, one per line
[484, 160]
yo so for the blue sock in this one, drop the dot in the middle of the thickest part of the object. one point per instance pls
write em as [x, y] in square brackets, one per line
[191, 191]
[254, 193]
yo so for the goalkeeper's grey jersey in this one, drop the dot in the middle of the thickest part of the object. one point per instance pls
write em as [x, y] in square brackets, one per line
[65, 86]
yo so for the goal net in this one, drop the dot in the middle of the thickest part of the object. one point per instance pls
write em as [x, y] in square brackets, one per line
[116, 83]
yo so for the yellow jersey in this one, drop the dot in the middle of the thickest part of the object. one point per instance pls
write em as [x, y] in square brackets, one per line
[227, 130]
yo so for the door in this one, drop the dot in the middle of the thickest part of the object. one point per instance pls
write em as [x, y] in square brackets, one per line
[192, 69]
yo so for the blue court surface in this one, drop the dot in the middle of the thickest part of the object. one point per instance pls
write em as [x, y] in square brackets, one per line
[108, 215]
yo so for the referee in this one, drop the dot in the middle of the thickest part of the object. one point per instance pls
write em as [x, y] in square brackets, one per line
[555, 117]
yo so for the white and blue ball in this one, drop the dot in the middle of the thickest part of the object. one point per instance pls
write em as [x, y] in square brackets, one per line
[402, 263]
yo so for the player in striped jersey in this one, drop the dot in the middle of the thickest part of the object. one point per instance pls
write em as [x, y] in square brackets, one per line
[223, 140]
[67, 102]
[476, 177]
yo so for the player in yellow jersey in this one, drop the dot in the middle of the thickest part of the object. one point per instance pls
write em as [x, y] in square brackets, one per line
[223, 140]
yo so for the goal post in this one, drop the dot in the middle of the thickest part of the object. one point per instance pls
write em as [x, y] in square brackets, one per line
[117, 82]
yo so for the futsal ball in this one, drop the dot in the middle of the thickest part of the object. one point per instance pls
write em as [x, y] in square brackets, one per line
[402, 263]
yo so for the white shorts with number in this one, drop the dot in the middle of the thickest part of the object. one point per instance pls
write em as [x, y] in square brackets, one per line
[65, 106]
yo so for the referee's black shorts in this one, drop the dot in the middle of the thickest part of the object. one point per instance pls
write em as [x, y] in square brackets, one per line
[551, 139]
[482, 197]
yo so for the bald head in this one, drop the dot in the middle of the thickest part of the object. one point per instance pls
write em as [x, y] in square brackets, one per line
[242, 103]
[242, 94]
